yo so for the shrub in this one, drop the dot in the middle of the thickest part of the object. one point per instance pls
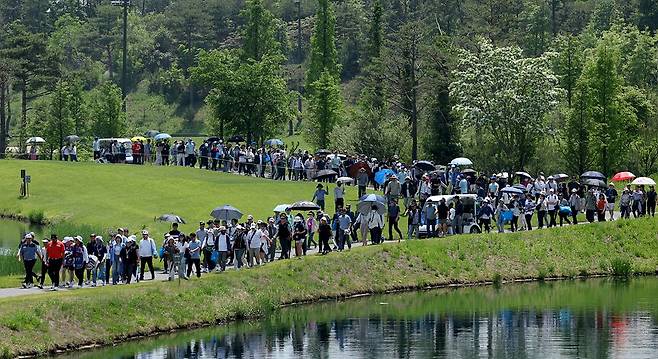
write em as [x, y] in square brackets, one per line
[36, 216]
[621, 267]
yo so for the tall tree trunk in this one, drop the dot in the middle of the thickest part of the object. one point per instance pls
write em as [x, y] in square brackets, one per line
[3, 118]
[23, 126]
[109, 62]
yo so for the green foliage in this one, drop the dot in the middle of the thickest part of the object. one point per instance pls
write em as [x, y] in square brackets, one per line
[259, 32]
[499, 91]
[247, 97]
[356, 135]
[104, 106]
[326, 109]
[36, 216]
[621, 267]
[324, 56]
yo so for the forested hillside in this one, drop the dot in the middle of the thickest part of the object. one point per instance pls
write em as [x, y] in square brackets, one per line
[510, 83]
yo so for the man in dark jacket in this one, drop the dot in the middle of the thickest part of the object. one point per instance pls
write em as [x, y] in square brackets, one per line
[408, 191]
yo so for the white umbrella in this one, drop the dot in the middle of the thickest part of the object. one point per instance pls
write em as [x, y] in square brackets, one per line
[33, 140]
[346, 180]
[461, 161]
[646, 181]
[281, 208]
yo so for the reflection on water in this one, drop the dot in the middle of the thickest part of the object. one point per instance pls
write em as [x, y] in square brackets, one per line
[591, 319]
[11, 232]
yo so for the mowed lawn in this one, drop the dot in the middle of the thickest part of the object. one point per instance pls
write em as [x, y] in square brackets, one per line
[129, 195]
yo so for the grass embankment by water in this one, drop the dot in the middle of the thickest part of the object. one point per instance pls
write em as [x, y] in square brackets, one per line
[581, 298]
[47, 322]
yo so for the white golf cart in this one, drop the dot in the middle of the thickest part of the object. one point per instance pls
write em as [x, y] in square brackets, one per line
[469, 219]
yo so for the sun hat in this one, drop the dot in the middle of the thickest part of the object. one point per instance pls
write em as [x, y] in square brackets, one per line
[574, 190]
[29, 236]
[145, 232]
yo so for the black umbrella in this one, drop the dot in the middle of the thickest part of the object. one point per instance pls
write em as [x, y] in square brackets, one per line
[521, 187]
[523, 174]
[213, 139]
[72, 138]
[593, 175]
[469, 171]
[304, 206]
[594, 182]
[512, 190]
[226, 212]
[560, 177]
[322, 152]
[171, 218]
[236, 139]
[325, 174]
[425, 166]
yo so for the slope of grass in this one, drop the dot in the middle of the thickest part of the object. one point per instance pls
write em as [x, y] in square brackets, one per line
[108, 196]
[65, 320]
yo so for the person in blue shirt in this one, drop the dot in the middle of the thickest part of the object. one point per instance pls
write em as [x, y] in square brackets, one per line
[319, 195]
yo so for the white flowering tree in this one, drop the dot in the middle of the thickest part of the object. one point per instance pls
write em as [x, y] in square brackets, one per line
[506, 97]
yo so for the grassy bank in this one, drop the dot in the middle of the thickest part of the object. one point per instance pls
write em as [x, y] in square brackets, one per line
[66, 320]
[579, 297]
[108, 196]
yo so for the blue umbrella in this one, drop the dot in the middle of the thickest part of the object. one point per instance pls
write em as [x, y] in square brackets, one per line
[162, 136]
[274, 142]
[372, 198]
[366, 202]
[381, 175]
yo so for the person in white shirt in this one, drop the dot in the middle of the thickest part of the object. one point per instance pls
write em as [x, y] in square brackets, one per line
[73, 152]
[339, 196]
[207, 246]
[147, 250]
[222, 239]
[96, 147]
[65, 153]
[552, 204]
[375, 224]
[253, 238]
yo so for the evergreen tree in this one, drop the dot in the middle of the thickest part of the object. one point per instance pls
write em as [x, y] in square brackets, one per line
[324, 57]
[568, 64]
[108, 120]
[259, 32]
[326, 109]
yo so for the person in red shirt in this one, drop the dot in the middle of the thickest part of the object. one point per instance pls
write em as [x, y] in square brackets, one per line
[54, 258]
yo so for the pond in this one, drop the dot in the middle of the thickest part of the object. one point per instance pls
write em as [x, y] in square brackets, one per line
[596, 318]
[11, 232]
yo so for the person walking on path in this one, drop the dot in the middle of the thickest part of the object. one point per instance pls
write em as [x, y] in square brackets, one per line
[55, 256]
[172, 252]
[413, 220]
[343, 230]
[130, 259]
[311, 228]
[194, 247]
[285, 236]
[552, 204]
[375, 223]
[408, 191]
[574, 204]
[240, 246]
[114, 255]
[590, 205]
[44, 263]
[28, 253]
[459, 216]
[80, 260]
[651, 201]
[393, 219]
[254, 240]
[324, 235]
[339, 196]
[611, 195]
[147, 251]
[319, 195]
[442, 212]
[430, 212]
[362, 181]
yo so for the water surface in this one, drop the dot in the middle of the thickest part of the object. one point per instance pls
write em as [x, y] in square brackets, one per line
[11, 232]
[599, 318]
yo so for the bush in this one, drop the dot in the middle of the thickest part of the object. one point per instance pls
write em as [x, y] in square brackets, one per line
[36, 216]
[621, 267]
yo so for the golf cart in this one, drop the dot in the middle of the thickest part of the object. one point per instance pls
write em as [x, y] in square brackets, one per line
[469, 219]
[106, 149]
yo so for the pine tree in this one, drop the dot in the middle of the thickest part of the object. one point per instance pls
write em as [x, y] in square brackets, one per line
[259, 32]
[326, 108]
[324, 56]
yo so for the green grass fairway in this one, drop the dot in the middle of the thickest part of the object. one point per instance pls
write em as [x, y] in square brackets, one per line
[108, 196]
